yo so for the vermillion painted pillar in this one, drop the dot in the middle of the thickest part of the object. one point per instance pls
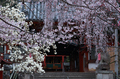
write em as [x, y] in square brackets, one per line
[62, 61]
[62, 64]
[1, 71]
[1, 74]
[1, 65]
[45, 61]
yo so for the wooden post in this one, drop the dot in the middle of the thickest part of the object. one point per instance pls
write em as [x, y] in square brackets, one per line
[1, 71]
[45, 61]
[1, 74]
[62, 61]
[27, 76]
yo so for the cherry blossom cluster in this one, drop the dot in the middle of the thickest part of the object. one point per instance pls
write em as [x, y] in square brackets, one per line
[27, 48]
[90, 20]
[29, 65]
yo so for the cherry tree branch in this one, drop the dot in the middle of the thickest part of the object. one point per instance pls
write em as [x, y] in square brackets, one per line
[112, 6]
[73, 4]
[107, 22]
[80, 5]
[13, 25]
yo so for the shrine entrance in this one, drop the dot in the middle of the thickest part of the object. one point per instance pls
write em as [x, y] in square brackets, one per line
[68, 59]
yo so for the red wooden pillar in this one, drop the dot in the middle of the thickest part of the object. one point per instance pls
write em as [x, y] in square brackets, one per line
[7, 48]
[45, 61]
[81, 62]
[1, 71]
[62, 62]
[1, 74]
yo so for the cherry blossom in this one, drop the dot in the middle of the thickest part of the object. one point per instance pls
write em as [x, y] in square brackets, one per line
[89, 22]
[27, 48]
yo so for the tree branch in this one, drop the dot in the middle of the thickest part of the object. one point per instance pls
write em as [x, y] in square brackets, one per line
[74, 5]
[107, 22]
[113, 6]
[80, 5]
[13, 25]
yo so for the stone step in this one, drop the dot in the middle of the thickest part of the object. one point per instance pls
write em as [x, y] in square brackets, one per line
[65, 75]
[62, 78]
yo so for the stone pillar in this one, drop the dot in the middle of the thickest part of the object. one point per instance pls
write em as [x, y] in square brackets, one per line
[104, 74]
[27, 76]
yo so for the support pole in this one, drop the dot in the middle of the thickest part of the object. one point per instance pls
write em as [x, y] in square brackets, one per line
[116, 53]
